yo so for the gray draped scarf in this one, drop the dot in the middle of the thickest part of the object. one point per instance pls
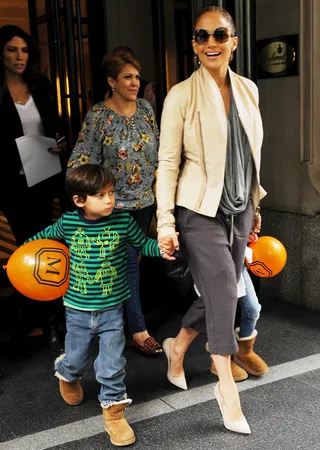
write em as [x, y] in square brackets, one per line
[239, 166]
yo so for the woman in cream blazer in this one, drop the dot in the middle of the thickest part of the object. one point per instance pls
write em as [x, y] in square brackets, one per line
[208, 184]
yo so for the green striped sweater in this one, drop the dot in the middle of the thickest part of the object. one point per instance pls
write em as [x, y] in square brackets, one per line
[98, 256]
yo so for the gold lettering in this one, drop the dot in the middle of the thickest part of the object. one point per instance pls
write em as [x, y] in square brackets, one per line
[275, 59]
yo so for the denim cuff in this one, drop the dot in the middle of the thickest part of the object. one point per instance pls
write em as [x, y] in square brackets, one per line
[60, 372]
[108, 403]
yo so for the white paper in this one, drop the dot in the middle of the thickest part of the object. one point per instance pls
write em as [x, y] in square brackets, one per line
[37, 162]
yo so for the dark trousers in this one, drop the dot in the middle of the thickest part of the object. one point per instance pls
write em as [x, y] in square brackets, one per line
[215, 265]
[28, 210]
[134, 314]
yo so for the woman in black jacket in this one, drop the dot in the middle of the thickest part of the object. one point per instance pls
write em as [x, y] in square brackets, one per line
[27, 108]
[27, 209]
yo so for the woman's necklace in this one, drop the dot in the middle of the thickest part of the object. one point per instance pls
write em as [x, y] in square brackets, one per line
[18, 101]
[225, 83]
[221, 89]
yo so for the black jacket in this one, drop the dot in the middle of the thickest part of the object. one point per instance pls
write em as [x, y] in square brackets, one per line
[11, 128]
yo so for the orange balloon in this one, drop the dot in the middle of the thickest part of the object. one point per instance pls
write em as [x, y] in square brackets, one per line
[269, 257]
[40, 269]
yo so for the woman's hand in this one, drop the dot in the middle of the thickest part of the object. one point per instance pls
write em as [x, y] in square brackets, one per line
[61, 146]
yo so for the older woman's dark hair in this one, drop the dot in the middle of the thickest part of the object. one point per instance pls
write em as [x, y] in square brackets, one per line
[114, 62]
[123, 49]
[7, 33]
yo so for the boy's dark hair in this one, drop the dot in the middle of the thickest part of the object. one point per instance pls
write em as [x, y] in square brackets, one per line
[88, 179]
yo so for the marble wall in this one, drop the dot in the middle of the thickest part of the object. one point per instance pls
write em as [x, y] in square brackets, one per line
[299, 281]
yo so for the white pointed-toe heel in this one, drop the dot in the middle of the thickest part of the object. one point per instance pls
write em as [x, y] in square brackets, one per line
[180, 380]
[238, 426]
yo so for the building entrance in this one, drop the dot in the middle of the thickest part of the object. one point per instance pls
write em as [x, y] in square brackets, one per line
[69, 56]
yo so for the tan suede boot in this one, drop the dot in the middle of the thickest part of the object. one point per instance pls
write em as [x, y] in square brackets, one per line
[72, 393]
[238, 373]
[247, 358]
[116, 425]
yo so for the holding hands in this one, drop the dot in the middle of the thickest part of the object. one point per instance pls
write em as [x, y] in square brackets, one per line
[167, 245]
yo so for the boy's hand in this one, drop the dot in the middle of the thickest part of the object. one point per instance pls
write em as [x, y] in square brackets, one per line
[253, 237]
[166, 246]
[256, 228]
[256, 225]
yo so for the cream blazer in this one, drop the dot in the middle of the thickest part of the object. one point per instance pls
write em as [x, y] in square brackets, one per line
[193, 145]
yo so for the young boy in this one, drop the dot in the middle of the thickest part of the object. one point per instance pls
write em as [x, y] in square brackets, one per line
[97, 236]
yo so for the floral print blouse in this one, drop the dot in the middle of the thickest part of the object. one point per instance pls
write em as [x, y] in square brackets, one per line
[126, 146]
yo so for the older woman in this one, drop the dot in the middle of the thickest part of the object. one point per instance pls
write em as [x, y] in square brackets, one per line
[209, 163]
[122, 135]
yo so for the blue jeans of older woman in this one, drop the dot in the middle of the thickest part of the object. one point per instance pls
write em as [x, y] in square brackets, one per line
[250, 307]
[135, 318]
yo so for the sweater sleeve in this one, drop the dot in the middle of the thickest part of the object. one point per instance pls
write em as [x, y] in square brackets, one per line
[171, 143]
[55, 231]
[138, 240]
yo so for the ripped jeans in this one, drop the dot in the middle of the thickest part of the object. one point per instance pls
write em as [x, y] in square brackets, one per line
[250, 307]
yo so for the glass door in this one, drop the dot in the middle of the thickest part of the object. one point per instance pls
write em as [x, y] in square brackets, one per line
[61, 28]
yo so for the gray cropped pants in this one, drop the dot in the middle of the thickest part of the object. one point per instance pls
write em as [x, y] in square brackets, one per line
[214, 250]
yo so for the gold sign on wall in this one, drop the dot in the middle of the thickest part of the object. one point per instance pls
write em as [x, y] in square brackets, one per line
[278, 56]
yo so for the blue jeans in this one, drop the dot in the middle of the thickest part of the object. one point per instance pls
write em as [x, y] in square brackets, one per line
[250, 307]
[82, 327]
[135, 318]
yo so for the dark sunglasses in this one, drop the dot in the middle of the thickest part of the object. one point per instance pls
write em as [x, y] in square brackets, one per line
[221, 34]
